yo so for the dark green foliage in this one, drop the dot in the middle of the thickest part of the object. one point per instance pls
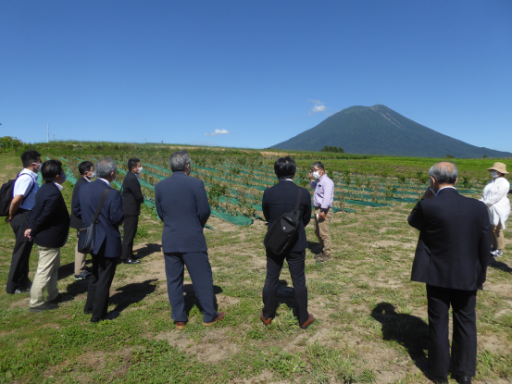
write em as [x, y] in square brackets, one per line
[332, 149]
[381, 131]
[11, 144]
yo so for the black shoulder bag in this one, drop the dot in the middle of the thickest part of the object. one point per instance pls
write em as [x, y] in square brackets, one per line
[283, 230]
[86, 235]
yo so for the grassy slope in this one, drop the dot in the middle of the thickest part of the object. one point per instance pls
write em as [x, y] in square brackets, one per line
[371, 320]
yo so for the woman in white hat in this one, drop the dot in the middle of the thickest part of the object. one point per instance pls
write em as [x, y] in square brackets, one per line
[495, 197]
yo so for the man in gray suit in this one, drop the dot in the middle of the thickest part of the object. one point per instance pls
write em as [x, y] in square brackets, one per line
[182, 204]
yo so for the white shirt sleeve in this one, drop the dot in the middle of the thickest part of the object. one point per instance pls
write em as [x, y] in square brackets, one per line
[23, 185]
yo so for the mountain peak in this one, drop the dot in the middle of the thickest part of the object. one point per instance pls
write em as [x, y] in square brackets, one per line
[379, 130]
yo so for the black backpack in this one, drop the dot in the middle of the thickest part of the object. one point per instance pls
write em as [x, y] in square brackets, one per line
[6, 195]
[284, 230]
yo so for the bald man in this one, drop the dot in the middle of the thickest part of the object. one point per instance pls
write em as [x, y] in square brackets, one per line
[451, 258]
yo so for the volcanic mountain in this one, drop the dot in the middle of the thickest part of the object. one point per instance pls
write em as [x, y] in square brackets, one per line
[379, 130]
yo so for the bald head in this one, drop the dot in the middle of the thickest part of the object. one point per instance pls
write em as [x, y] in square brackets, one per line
[444, 173]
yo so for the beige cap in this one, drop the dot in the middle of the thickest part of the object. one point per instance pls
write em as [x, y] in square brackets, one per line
[500, 167]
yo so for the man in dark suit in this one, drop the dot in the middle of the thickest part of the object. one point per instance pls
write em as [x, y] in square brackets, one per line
[278, 200]
[182, 204]
[48, 228]
[451, 257]
[86, 169]
[132, 199]
[107, 241]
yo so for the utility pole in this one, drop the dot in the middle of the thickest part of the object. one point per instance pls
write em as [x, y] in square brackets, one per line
[47, 133]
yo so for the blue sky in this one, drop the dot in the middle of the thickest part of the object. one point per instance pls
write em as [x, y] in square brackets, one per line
[262, 71]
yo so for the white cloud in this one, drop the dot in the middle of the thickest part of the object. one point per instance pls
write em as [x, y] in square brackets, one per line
[319, 107]
[217, 132]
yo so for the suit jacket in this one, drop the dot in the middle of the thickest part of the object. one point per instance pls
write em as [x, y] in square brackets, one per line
[111, 216]
[280, 199]
[49, 219]
[455, 241]
[75, 221]
[182, 204]
[132, 195]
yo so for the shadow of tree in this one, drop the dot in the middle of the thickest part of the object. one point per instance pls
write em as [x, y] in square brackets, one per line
[131, 294]
[191, 299]
[499, 265]
[409, 331]
[147, 250]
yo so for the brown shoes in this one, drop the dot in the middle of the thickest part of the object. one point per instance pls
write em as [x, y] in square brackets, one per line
[181, 325]
[308, 322]
[265, 321]
[322, 258]
[219, 318]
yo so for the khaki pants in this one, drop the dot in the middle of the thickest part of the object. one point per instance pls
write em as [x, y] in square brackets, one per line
[498, 241]
[46, 276]
[79, 261]
[322, 231]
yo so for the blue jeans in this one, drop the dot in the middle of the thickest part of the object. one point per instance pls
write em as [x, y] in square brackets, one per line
[200, 272]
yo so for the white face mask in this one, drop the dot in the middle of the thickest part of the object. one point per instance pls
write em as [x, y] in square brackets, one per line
[141, 169]
[316, 175]
[92, 176]
[494, 174]
[36, 170]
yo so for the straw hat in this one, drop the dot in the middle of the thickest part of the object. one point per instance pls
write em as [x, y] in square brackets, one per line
[500, 167]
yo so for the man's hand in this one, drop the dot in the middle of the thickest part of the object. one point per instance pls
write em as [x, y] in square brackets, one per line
[27, 233]
[322, 215]
[8, 219]
[429, 194]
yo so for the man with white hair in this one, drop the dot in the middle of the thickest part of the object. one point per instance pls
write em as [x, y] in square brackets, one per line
[107, 239]
[451, 258]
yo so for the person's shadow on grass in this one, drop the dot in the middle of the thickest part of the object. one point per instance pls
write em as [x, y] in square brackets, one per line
[314, 246]
[131, 294]
[191, 299]
[410, 331]
[147, 250]
[499, 265]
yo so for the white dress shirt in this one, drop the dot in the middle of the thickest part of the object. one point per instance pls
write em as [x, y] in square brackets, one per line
[23, 186]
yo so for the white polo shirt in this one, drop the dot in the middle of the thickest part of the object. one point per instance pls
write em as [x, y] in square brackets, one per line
[23, 186]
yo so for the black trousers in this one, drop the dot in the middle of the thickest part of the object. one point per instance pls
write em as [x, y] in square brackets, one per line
[18, 273]
[103, 271]
[130, 230]
[463, 354]
[296, 263]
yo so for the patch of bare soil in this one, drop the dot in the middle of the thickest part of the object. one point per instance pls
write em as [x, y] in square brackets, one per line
[211, 348]
[264, 378]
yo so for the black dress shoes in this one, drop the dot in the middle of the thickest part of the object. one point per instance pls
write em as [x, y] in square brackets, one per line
[62, 298]
[463, 379]
[109, 316]
[21, 290]
[131, 261]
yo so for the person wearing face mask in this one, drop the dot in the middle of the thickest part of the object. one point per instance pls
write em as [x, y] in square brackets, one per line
[132, 199]
[498, 205]
[24, 198]
[48, 228]
[323, 199]
[107, 239]
[451, 257]
[86, 170]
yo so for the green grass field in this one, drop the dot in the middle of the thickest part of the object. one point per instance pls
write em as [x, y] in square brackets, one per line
[371, 321]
